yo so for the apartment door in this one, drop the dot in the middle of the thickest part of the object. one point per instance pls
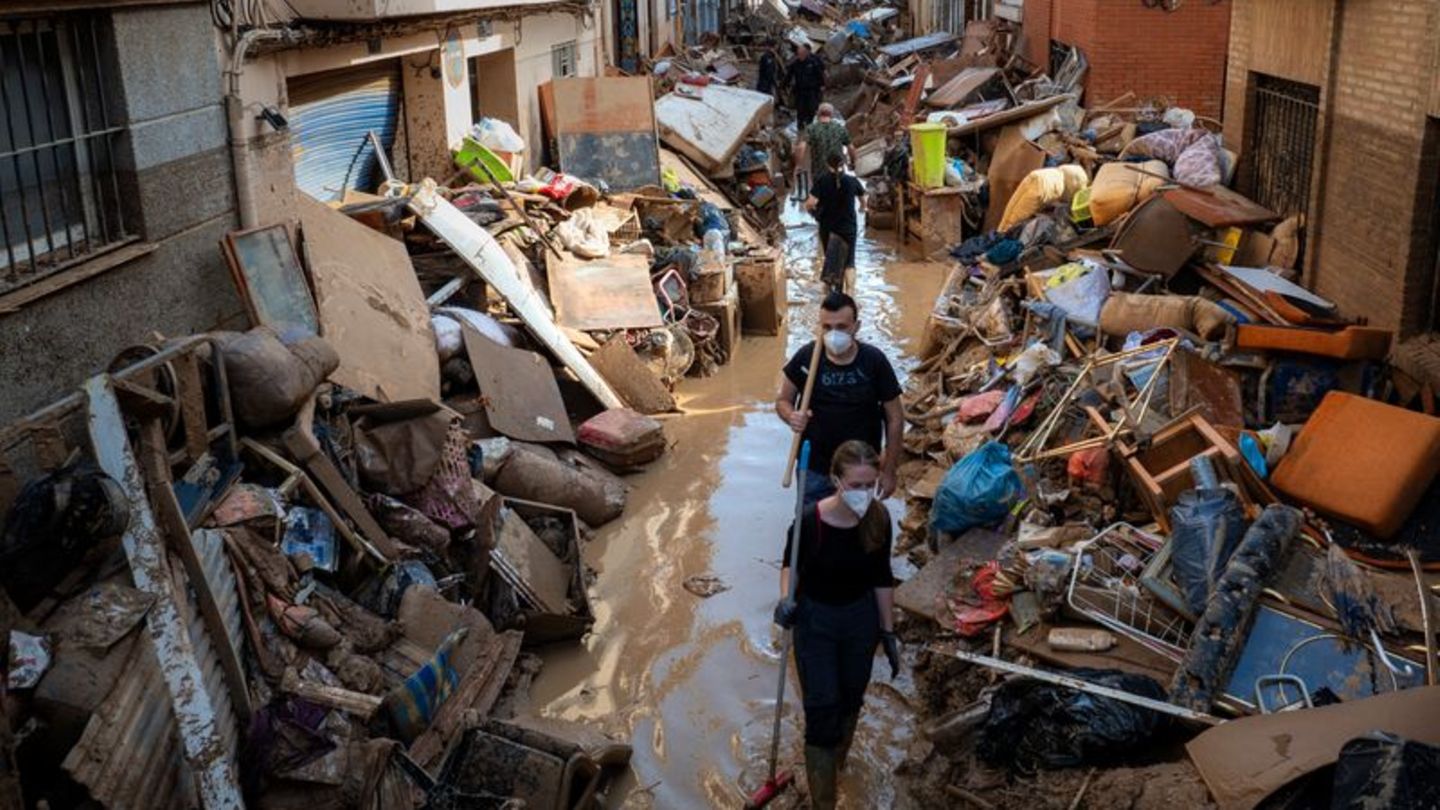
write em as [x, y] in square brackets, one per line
[1279, 151]
[493, 91]
[627, 35]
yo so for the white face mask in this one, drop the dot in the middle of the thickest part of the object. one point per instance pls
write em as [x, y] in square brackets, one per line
[858, 500]
[838, 342]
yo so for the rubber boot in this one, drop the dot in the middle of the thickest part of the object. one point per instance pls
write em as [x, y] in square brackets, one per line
[821, 775]
[847, 736]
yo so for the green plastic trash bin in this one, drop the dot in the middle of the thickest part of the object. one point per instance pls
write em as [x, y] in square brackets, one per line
[927, 154]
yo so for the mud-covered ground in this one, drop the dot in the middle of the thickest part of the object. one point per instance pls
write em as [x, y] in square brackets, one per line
[690, 681]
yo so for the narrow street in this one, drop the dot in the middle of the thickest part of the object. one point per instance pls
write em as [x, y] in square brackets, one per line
[692, 680]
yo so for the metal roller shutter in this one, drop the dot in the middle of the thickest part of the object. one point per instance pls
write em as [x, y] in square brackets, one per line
[331, 114]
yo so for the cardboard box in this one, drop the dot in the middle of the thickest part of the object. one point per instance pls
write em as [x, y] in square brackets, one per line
[711, 284]
[727, 312]
[760, 281]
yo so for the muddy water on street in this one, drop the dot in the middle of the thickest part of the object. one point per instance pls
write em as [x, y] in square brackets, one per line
[691, 681]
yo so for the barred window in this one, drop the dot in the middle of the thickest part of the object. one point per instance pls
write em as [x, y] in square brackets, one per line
[60, 200]
[564, 59]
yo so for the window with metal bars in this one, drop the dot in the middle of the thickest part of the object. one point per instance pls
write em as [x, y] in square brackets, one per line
[1280, 150]
[60, 200]
[564, 59]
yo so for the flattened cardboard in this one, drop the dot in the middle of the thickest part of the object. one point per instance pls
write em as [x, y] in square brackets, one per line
[522, 399]
[372, 309]
[1245, 760]
[634, 381]
[603, 294]
[1014, 159]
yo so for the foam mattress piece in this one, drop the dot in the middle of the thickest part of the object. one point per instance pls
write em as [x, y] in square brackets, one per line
[1362, 461]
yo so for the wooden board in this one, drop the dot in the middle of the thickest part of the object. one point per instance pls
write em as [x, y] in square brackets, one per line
[372, 310]
[485, 256]
[709, 130]
[1012, 115]
[704, 189]
[636, 383]
[605, 130]
[522, 399]
[609, 293]
[1014, 159]
[958, 89]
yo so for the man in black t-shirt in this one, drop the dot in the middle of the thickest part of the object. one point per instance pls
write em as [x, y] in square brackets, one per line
[833, 197]
[856, 396]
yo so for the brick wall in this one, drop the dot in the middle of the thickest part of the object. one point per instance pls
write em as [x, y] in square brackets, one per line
[1369, 255]
[1179, 55]
[1036, 30]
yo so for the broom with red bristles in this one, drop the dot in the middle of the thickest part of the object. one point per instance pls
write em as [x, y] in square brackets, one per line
[780, 780]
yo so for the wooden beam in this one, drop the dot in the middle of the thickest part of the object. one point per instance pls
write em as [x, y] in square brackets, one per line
[155, 462]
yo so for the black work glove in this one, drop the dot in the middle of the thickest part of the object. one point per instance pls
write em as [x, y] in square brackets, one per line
[786, 611]
[892, 651]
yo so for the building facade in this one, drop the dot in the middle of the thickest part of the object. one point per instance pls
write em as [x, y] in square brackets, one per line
[1133, 47]
[113, 210]
[1336, 107]
[177, 129]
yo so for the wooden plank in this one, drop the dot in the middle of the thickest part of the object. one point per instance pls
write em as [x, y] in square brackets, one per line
[490, 262]
[636, 382]
[1009, 116]
[155, 461]
[603, 294]
[478, 690]
[306, 450]
[372, 309]
[192, 405]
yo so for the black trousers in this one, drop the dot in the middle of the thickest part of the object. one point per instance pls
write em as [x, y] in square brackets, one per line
[834, 653]
[806, 103]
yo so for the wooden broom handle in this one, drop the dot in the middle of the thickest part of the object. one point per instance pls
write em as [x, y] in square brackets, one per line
[804, 406]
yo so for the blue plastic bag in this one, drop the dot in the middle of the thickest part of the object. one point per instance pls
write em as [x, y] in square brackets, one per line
[978, 490]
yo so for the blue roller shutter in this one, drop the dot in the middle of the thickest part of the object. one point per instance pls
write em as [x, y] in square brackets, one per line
[330, 116]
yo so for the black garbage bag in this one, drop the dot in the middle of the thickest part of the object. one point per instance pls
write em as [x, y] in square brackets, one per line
[53, 522]
[1381, 770]
[1034, 724]
[1207, 525]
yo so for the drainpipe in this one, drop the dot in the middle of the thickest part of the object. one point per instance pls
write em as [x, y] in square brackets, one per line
[235, 118]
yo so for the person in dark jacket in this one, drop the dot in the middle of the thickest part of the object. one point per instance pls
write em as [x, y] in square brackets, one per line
[769, 79]
[807, 84]
[843, 609]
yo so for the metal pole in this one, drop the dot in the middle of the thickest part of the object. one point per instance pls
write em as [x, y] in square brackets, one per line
[1083, 686]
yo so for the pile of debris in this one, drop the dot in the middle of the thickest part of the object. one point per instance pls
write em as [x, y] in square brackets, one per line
[1179, 496]
[304, 564]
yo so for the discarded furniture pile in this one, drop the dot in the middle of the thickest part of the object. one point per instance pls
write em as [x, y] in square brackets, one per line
[1181, 498]
[304, 564]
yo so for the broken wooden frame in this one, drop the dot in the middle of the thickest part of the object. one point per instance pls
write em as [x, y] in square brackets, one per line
[113, 404]
[1133, 411]
[296, 478]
